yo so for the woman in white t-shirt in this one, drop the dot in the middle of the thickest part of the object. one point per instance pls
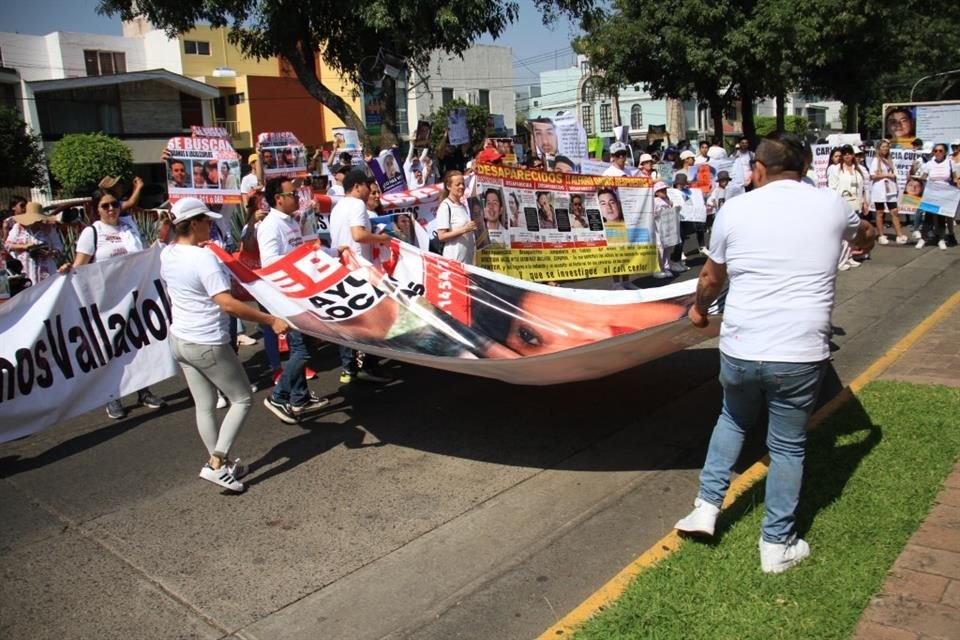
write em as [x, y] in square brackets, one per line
[885, 192]
[199, 289]
[455, 228]
[110, 237]
[939, 169]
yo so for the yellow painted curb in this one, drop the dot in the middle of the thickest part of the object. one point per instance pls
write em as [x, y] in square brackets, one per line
[671, 542]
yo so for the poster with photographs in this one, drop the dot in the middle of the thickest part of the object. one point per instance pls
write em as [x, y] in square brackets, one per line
[505, 147]
[282, 154]
[422, 137]
[388, 173]
[458, 131]
[204, 168]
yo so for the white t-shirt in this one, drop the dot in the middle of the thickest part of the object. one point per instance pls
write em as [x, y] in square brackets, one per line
[614, 171]
[782, 276]
[249, 182]
[336, 190]
[111, 241]
[349, 213]
[937, 171]
[277, 235]
[883, 190]
[194, 275]
[451, 217]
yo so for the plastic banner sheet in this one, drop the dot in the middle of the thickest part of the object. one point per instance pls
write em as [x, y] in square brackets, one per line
[424, 309]
[75, 342]
[204, 168]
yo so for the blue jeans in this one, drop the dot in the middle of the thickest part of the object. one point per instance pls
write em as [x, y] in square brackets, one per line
[348, 359]
[292, 385]
[787, 390]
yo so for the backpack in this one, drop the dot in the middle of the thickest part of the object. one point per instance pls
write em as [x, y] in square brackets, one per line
[436, 245]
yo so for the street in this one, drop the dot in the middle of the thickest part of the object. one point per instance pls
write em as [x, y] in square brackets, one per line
[439, 506]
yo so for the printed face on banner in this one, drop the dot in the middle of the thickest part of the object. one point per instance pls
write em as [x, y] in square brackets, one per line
[545, 137]
[347, 139]
[609, 204]
[204, 168]
[900, 124]
[422, 139]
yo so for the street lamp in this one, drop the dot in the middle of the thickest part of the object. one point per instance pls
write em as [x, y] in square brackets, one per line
[935, 75]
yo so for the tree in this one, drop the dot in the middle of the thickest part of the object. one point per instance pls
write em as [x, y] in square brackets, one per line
[797, 125]
[355, 39]
[476, 122]
[22, 163]
[79, 161]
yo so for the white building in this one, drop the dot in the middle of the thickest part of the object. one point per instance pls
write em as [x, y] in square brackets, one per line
[824, 115]
[483, 76]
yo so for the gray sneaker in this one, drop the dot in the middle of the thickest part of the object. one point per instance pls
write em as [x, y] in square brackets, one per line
[115, 410]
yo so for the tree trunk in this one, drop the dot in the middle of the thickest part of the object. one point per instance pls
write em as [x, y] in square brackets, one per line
[781, 112]
[852, 117]
[388, 127]
[746, 109]
[307, 75]
[716, 114]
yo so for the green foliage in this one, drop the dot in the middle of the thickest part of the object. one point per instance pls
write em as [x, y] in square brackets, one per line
[476, 122]
[79, 161]
[793, 124]
[22, 163]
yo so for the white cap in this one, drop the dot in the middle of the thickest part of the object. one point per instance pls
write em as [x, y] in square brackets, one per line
[618, 147]
[659, 185]
[687, 154]
[646, 157]
[186, 208]
[716, 153]
[955, 143]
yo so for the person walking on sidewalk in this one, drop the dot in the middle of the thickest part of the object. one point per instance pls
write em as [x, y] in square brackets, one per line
[199, 289]
[278, 235]
[774, 334]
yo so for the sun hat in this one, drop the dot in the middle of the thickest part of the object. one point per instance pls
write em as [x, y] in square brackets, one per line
[687, 154]
[188, 208]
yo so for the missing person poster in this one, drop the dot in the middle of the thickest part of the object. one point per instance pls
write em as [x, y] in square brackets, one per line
[204, 168]
[282, 154]
[549, 226]
[457, 130]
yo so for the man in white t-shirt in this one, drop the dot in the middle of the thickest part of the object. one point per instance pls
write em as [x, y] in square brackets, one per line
[618, 160]
[278, 235]
[774, 338]
[350, 227]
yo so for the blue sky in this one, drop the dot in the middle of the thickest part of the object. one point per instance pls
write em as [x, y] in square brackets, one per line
[535, 47]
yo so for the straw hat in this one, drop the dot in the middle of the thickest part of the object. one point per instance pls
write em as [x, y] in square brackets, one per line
[35, 213]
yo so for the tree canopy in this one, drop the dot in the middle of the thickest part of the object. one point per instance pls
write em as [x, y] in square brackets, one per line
[22, 163]
[81, 160]
[352, 38]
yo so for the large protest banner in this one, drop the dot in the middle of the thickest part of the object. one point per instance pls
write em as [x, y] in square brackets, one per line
[281, 154]
[545, 225]
[443, 314]
[204, 168]
[929, 121]
[76, 341]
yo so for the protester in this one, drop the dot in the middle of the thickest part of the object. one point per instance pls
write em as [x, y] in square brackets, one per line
[646, 167]
[677, 257]
[774, 337]
[661, 208]
[847, 180]
[34, 241]
[720, 194]
[110, 237]
[278, 235]
[885, 193]
[249, 256]
[338, 175]
[744, 157]
[199, 290]
[455, 228]
[939, 169]
[618, 161]
[836, 159]
[350, 227]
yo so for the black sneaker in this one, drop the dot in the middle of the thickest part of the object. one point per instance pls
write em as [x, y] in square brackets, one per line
[282, 410]
[147, 399]
[115, 410]
[312, 403]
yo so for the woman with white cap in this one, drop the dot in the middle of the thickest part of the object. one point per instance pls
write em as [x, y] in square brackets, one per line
[199, 289]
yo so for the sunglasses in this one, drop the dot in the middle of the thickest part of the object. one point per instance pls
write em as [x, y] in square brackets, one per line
[109, 205]
[292, 194]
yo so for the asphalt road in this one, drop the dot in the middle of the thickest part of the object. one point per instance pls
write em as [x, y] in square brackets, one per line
[439, 506]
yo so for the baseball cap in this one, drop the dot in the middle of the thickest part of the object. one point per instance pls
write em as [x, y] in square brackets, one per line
[646, 157]
[687, 154]
[618, 147]
[187, 208]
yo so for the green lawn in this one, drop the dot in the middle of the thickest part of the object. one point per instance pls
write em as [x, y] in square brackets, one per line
[873, 471]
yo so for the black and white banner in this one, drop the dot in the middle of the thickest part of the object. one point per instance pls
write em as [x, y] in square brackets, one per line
[76, 341]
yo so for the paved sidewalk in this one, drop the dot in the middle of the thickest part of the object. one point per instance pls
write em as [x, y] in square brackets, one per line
[921, 597]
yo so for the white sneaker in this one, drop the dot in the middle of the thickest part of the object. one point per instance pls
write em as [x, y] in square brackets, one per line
[221, 477]
[942, 245]
[704, 252]
[917, 235]
[853, 263]
[778, 557]
[901, 239]
[920, 243]
[845, 266]
[660, 275]
[678, 267]
[883, 240]
[701, 520]
[221, 401]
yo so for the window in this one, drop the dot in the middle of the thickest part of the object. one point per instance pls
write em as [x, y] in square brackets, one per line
[606, 117]
[196, 47]
[447, 93]
[587, 92]
[636, 117]
[236, 98]
[731, 112]
[586, 113]
[104, 63]
[483, 98]
[191, 111]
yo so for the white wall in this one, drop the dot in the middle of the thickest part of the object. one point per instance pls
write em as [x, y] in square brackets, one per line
[487, 67]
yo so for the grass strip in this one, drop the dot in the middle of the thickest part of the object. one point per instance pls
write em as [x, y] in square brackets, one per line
[873, 471]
